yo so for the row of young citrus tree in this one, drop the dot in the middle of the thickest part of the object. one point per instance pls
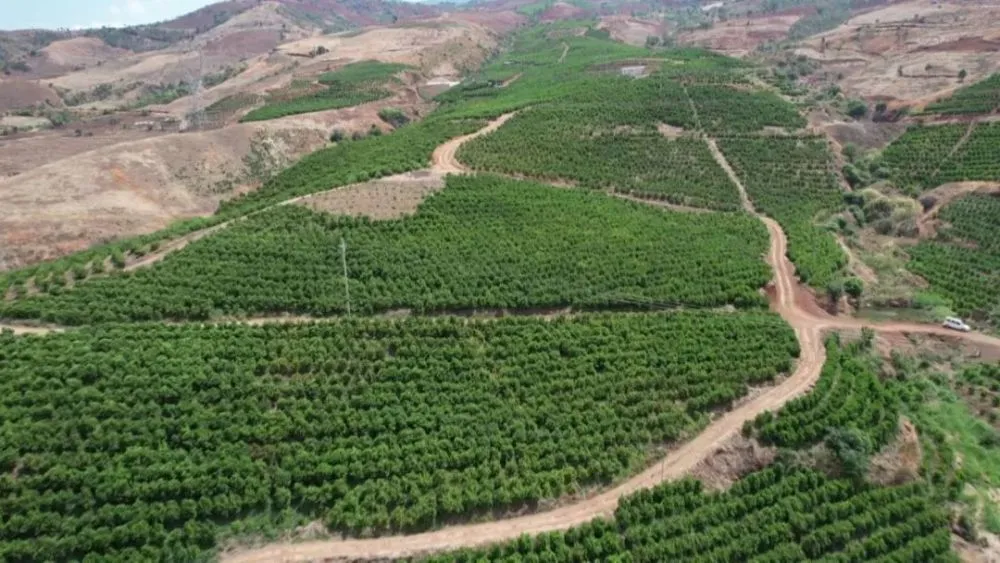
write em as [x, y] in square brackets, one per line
[963, 262]
[779, 514]
[145, 442]
[926, 157]
[981, 97]
[849, 396]
[915, 157]
[976, 159]
[724, 110]
[483, 242]
[558, 143]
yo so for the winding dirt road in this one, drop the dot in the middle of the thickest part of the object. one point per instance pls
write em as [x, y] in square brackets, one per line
[787, 299]
[444, 159]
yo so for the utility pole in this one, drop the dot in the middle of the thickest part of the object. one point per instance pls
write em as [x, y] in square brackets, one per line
[196, 95]
[343, 261]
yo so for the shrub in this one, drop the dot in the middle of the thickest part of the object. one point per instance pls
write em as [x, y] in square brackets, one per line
[857, 109]
[394, 117]
[854, 287]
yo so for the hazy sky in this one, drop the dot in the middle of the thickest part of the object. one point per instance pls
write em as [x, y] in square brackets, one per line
[21, 14]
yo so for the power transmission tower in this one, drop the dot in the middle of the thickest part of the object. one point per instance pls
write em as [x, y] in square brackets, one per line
[343, 261]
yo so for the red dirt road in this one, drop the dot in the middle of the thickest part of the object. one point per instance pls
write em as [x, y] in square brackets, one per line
[444, 160]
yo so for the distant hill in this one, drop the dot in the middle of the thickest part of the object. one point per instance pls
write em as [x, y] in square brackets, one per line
[19, 47]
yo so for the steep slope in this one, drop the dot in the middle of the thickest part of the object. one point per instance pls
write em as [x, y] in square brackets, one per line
[911, 51]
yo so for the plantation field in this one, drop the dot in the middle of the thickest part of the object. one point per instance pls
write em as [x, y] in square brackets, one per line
[510, 346]
[601, 130]
[848, 394]
[144, 442]
[483, 242]
[791, 180]
[977, 159]
[553, 143]
[609, 119]
[915, 157]
[963, 262]
[927, 157]
[723, 110]
[981, 97]
[775, 515]
[354, 84]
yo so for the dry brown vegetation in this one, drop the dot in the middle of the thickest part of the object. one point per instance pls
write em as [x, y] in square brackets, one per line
[910, 52]
[740, 36]
[629, 30]
[391, 197]
[899, 462]
[438, 47]
[735, 458]
[18, 93]
[81, 51]
[138, 186]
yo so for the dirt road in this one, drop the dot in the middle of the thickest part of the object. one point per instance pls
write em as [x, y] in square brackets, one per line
[25, 329]
[444, 161]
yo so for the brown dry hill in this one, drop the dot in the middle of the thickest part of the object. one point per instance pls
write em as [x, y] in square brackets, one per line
[81, 51]
[141, 186]
[633, 31]
[562, 11]
[18, 93]
[244, 36]
[740, 36]
[911, 51]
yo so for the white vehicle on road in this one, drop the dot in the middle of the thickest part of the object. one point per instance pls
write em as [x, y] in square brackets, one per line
[956, 324]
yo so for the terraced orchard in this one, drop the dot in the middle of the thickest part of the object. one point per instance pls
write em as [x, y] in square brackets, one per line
[926, 157]
[724, 110]
[981, 97]
[775, 515]
[483, 242]
[144, 442]
[849, 394]
[976, 159]
[791, 180]
[963, 262]
[555, 143]
[915, 157]
[614, 132]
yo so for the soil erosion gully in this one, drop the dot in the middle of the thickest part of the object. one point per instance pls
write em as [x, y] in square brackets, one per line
[787, 299]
